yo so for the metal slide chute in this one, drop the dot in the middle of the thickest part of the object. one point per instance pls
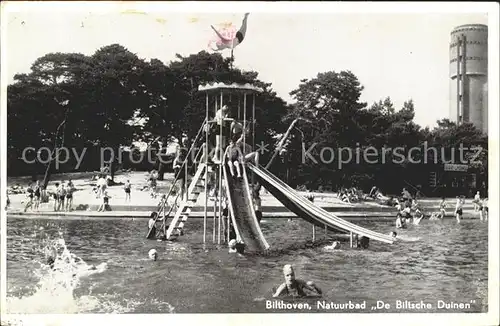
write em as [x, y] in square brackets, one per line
[307, 210]
[241, 208]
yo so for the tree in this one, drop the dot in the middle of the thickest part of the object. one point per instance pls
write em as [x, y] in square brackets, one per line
[40, 102]
[330, 102]
[115, 94]
[69, 99]
[385, 107]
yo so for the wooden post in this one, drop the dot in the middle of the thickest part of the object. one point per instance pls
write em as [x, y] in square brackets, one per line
[253, 135]
[220, 169]
[185, 194]
[206, 171]
[314, 233]
[228, 225]
[253, 121]
[215, 181]
[239, 107]
[244, 117]
[350, 239]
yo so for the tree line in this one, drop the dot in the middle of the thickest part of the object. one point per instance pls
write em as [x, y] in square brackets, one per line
[112, 98]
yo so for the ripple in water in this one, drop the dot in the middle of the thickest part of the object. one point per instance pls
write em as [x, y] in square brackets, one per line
[55, 290]
[436, 260]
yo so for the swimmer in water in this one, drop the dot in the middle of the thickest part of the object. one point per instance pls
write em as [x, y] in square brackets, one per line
[393, 235]
[416, 220]
[407, 214]
[50, 262]
[435, 216]
[153, 254]
[400, 223]
[236, 247]
[459, 208]
[483, 209]
[333, 246]
[442, 208]
[295, 287]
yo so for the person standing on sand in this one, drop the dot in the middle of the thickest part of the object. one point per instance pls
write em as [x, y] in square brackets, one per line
[153, 175]
[55, 195]
[70, 189]
[61, 196]
[101, 186]
[30, 196]
[127, 187]
[105, 202]
[37, 193]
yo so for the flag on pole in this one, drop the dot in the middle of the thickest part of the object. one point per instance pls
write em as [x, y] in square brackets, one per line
[223, 37]
[227, 37]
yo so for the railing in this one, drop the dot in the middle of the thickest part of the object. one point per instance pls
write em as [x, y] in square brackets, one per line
[161, 208]
[186, 160]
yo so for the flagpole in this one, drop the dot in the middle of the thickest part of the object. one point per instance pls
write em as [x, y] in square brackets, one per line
[232, 54]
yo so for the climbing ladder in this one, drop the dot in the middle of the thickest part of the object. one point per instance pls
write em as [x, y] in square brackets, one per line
[196, 187]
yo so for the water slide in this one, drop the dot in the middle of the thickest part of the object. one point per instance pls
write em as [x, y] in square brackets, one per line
[240, 204]
[307, 210]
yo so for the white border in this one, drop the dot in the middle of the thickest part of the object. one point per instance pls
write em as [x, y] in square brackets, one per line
[491, 8]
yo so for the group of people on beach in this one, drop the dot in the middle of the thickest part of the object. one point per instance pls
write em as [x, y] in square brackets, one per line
[34, 193]
[349, 195]
[62, 194]
[354, 194]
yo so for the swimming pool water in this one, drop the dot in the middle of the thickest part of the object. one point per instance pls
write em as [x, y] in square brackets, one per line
[441, 261]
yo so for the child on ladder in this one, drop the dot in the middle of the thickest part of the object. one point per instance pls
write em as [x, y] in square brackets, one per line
[180, 171]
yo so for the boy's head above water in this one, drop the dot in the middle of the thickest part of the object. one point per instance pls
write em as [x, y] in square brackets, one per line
[153, 254]
[289, 274]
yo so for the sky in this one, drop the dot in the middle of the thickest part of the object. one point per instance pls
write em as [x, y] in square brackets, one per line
[403, 55]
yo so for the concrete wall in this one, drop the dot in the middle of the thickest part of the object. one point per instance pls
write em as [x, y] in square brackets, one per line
[474, 67]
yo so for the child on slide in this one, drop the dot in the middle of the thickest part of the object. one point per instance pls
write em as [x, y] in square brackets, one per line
[233, 154]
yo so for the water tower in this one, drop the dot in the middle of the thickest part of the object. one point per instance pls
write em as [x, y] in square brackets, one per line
[469, 75]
